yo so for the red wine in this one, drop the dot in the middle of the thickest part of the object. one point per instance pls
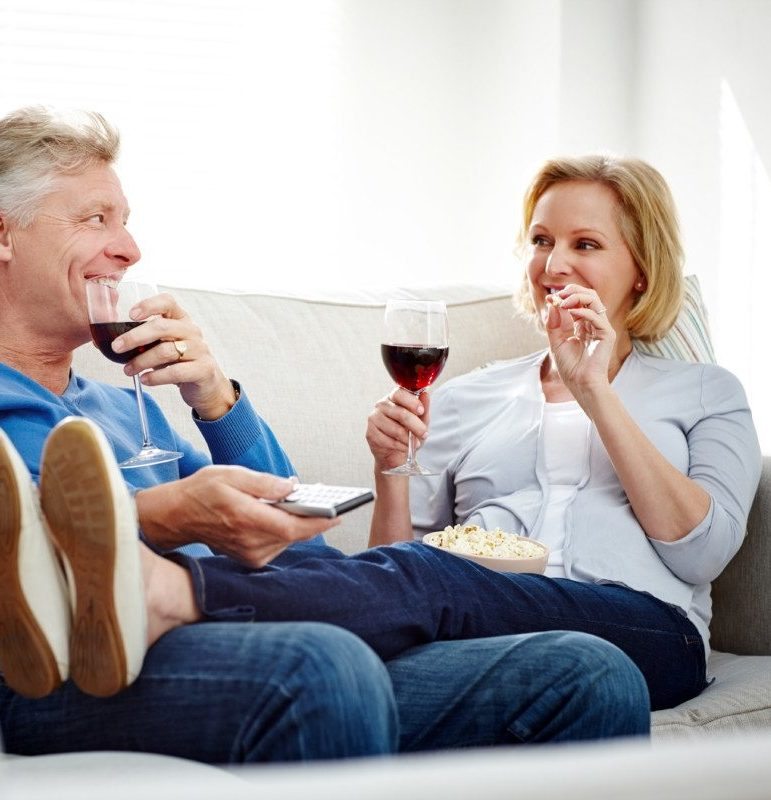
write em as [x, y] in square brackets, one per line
[104, 333]
[413, 366]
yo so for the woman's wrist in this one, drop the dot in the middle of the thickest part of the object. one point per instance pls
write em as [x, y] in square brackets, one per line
[391, 520]
[593, 398]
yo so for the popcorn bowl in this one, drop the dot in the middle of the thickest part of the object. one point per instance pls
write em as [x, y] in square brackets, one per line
[535, 563]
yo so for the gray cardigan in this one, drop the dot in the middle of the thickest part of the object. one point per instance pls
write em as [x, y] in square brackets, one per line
[485, 443]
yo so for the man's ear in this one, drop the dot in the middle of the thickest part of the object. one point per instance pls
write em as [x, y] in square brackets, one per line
[6, 249]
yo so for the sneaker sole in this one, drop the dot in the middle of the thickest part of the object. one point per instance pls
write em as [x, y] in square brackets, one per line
[79, 502]
[27, 660]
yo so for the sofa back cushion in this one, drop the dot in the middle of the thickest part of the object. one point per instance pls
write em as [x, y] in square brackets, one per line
[312, 369]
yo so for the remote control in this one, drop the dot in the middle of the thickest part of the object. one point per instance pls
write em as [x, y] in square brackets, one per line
[320, 500]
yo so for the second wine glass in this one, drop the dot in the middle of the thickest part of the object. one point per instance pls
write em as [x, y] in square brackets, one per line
[414, 350]
[110, 298]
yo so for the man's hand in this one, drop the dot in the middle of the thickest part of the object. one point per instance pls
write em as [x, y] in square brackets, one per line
[180, 357]
[222, 507]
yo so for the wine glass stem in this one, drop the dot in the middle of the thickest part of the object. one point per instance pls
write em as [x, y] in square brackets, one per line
[142, 413]
[411, 460]
[410, 450]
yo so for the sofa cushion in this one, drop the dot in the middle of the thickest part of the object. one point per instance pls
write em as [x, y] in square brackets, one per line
[735, 767]
[739, 699]
[114, 775]
[689, 338]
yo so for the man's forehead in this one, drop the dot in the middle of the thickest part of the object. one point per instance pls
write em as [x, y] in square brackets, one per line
[95, 187]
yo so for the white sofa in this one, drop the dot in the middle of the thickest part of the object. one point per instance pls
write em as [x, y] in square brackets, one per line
[312, 368]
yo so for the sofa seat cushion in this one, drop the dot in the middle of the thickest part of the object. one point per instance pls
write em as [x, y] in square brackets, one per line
[739, 699]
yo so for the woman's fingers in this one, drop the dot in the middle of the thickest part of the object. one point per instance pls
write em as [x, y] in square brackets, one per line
[390, 423]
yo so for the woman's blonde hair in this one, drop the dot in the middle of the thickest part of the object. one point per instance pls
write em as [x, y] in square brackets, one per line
[38, 145]
[648, 224]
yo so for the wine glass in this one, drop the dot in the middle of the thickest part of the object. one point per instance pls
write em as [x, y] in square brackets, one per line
[415, 348]
[110, 298]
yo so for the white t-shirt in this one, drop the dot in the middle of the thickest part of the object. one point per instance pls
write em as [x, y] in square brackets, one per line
[565, 432]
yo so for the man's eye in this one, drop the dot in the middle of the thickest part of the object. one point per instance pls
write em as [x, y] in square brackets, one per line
[96, 218]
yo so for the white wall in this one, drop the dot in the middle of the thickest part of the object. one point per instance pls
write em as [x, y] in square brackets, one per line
[447, 105]
[353, 142]
[702, 116]
[597, 87]
[307, 142]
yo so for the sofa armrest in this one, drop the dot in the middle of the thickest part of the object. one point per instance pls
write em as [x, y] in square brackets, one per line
[741, 596]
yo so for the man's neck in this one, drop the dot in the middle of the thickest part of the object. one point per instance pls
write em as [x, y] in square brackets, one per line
[51, 369]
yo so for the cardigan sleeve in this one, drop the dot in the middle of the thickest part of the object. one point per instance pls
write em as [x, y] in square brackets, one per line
[724, 459]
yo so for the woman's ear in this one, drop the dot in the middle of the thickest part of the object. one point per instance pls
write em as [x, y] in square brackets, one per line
[6, 250]
[641, 284]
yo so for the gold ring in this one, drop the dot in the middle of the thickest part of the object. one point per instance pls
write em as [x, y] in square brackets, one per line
[181, 348]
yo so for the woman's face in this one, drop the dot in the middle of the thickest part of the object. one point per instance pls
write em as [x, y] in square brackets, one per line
[574, 237]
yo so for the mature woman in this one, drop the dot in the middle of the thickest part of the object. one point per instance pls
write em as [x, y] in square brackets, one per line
[638, 471]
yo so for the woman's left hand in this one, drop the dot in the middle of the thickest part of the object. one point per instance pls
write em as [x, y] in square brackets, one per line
[581, 337]
[177, 355]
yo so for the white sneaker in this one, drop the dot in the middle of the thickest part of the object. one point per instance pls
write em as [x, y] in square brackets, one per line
[92, 519]
[34, 605]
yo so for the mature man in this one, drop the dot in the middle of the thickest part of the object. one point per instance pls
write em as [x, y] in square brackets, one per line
[247, 691]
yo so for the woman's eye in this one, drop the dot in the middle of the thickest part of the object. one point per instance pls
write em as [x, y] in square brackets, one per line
[587, 244]
[539, 241]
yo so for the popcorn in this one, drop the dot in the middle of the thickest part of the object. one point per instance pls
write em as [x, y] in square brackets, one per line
[475, 541]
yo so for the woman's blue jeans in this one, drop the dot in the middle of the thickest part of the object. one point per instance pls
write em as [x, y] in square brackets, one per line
[398, 597]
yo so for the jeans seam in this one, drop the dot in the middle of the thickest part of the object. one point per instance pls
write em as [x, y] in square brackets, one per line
[578, 622]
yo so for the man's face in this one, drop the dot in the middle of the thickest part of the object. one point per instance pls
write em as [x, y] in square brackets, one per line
[79, 233]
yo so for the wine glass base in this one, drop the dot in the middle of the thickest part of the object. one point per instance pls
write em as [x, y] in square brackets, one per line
[149, 456]
[410, 470]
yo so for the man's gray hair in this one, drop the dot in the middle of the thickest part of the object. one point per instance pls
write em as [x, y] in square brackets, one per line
[38, 145]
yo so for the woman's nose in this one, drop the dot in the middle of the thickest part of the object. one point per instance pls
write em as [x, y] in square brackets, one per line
[556, 262]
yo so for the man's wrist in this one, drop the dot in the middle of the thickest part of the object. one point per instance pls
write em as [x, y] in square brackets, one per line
[153, 506]
[227, 405]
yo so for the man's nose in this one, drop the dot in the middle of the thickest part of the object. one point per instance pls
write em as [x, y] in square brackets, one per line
[124, 249]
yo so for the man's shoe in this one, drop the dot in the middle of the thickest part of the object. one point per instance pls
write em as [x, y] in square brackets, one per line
[34, 606]
[93, 520]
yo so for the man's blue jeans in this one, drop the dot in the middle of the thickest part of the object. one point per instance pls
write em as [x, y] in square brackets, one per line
[223, 693]
[236, 693]
[398, 597]
[553, 686]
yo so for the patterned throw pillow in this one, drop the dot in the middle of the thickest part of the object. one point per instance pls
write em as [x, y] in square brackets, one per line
[689, 338]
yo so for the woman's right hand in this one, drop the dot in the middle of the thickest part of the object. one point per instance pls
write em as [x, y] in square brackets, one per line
[390, 422]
